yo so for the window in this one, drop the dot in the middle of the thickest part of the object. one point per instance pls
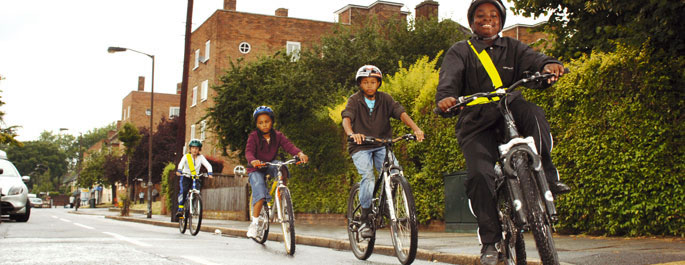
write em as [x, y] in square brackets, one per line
[244, 47]
[174, 112]
[147, 112]
[192, 131]
[197, 59]
[194, 97]
[123, 116]
[128, 113]
[205, 87]
[203, 127]
[206, 51]
[293, 49]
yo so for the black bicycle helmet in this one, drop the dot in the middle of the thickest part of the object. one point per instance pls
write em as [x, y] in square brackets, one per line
[497, 3]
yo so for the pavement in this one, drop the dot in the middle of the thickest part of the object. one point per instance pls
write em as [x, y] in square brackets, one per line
[455, 248]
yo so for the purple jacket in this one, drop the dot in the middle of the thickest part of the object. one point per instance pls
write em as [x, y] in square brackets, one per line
[258, 149]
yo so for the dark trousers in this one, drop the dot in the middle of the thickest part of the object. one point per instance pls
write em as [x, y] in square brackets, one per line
[481, 154]
[185, 184]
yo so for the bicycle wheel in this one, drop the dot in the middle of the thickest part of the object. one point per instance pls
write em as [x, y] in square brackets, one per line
[539, 224]
[182, 221]
[195, 213]
[263, 226]
[514, 246]
[288, 222]
[404, 232]
[361, 247]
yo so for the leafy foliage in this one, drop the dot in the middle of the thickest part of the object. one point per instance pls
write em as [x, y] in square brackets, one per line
[618, 122]
[35, 158]
[168, 187]
[7, 134]
[580, 27]
[163, 142]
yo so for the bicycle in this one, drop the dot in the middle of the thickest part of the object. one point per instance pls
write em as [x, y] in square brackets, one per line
[283, 207]
[520, 184]
[394, 204]
[192, 208]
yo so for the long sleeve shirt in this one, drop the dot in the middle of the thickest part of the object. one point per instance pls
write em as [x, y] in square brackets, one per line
[374, 123]
[198, 162]
[257, 148]
[463, 74]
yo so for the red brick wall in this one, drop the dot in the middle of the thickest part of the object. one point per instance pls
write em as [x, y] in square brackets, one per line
[524, 34]
[140, 102]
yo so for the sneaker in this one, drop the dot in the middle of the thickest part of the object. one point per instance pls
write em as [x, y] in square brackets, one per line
[179, 213]
[252, 231]
[559, 188]
[366, 231]
[488, 254]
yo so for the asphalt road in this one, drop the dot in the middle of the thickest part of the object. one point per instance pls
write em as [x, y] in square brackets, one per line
[53, 236]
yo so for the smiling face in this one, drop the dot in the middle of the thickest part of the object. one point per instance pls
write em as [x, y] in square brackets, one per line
[264, 123]
[486, 20]
[369, 85]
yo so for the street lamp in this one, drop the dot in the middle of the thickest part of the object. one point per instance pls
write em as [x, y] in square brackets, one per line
[152, 110]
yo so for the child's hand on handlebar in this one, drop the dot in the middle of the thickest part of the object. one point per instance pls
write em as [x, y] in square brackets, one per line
[419, 135]
[553, 68]
[303, 158]
[357, 137]
[257, 163]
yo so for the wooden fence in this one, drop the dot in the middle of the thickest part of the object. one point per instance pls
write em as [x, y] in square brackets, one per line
[226, 197]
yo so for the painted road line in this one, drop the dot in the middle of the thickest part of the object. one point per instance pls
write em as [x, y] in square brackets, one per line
[65, 220]
[55, 217]
[130, 240]
[84, 226]
[198, 260]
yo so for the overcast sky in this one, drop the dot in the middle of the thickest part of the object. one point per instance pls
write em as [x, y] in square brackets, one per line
[58, 74]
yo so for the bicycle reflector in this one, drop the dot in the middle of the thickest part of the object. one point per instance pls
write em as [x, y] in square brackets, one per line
[239, 170]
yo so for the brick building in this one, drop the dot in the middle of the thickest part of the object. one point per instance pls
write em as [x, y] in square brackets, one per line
[525, 34]
[228, 35]
[135, 107]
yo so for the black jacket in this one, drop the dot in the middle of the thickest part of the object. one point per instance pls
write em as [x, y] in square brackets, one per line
[463, 74]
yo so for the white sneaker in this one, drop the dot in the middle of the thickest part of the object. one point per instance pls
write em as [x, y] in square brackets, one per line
[252, 231]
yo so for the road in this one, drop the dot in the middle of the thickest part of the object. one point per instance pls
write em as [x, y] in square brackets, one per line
[54, 236]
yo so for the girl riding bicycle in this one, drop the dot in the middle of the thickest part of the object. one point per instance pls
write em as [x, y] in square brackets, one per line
[368, 113]
[484, 63]
[189, 166]
[262, 145]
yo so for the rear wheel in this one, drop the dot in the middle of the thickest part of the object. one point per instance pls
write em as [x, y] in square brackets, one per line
[361, 247]
[404, 231]
[195, 213]
[539, 224]
[288, 222]
[263, 225]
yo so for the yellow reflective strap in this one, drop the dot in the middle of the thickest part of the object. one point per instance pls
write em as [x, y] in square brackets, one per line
[191, 164]
[180, 206]
[489, 66]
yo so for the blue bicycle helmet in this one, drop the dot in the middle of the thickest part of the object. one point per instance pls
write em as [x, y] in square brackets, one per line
[263, 110]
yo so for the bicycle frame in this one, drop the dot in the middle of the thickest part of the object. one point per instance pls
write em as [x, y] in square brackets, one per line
[275, 193]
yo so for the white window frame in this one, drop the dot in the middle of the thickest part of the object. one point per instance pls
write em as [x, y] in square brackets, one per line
[123, 116]
[207, 47]
[197, 59]
[192, 131]
[148, 112]
[194, 102]
[203, 130]
[204, 90]
[245, 44]
[129, 112]
[174, 110]
[293, 47]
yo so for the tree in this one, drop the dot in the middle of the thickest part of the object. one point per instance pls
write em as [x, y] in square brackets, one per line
[7, 134]
[130, 136]
[580, 27]
[164, 142]
[36, 157]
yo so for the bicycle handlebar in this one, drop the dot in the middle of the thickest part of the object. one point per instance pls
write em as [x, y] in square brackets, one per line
[294, 160]
[198, 175]
[464, 100]
[372, 140]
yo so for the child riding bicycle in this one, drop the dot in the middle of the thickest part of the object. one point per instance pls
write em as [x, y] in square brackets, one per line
[188, 166]
[484, 63]
[368, 113]
[262, 146]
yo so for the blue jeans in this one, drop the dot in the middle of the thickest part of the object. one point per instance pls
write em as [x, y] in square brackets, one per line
[257, 178]
[365, 161]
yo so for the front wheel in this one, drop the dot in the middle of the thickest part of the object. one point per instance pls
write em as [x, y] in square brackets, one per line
[361, 247]
[404, 230]
[288, 221]
[195, 213]
[182, 221]
[262, 225]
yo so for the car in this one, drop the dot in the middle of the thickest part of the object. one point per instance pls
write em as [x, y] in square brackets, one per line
[15, 200]
[36, 202]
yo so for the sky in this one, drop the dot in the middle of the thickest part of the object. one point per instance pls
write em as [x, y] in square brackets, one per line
[57, 72]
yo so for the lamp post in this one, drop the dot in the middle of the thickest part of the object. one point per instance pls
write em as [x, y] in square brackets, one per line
[152, 110]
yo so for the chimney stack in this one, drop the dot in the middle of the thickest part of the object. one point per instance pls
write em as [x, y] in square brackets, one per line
[141, 83]
[282, 12]
[427, 9]
[229, 5]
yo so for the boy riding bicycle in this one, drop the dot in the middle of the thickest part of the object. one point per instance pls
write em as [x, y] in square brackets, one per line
[482, 64]
[188, 166]
[262, 145]
[368, 113]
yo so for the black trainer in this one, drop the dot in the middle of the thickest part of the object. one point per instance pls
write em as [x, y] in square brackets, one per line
[559, 187]
[488, 254]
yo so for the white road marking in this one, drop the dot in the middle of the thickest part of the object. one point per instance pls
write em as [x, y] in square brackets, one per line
[65, 220]
[55, 217]
[84, 226]
[130, 240]
[198, 260]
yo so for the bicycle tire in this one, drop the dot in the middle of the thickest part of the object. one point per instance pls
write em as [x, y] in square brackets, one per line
[404, 232]
[183, 221]
[196, 216]
[539, 224]
[361, 247]
[514, 246]
[288, 222]
[263, 227]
